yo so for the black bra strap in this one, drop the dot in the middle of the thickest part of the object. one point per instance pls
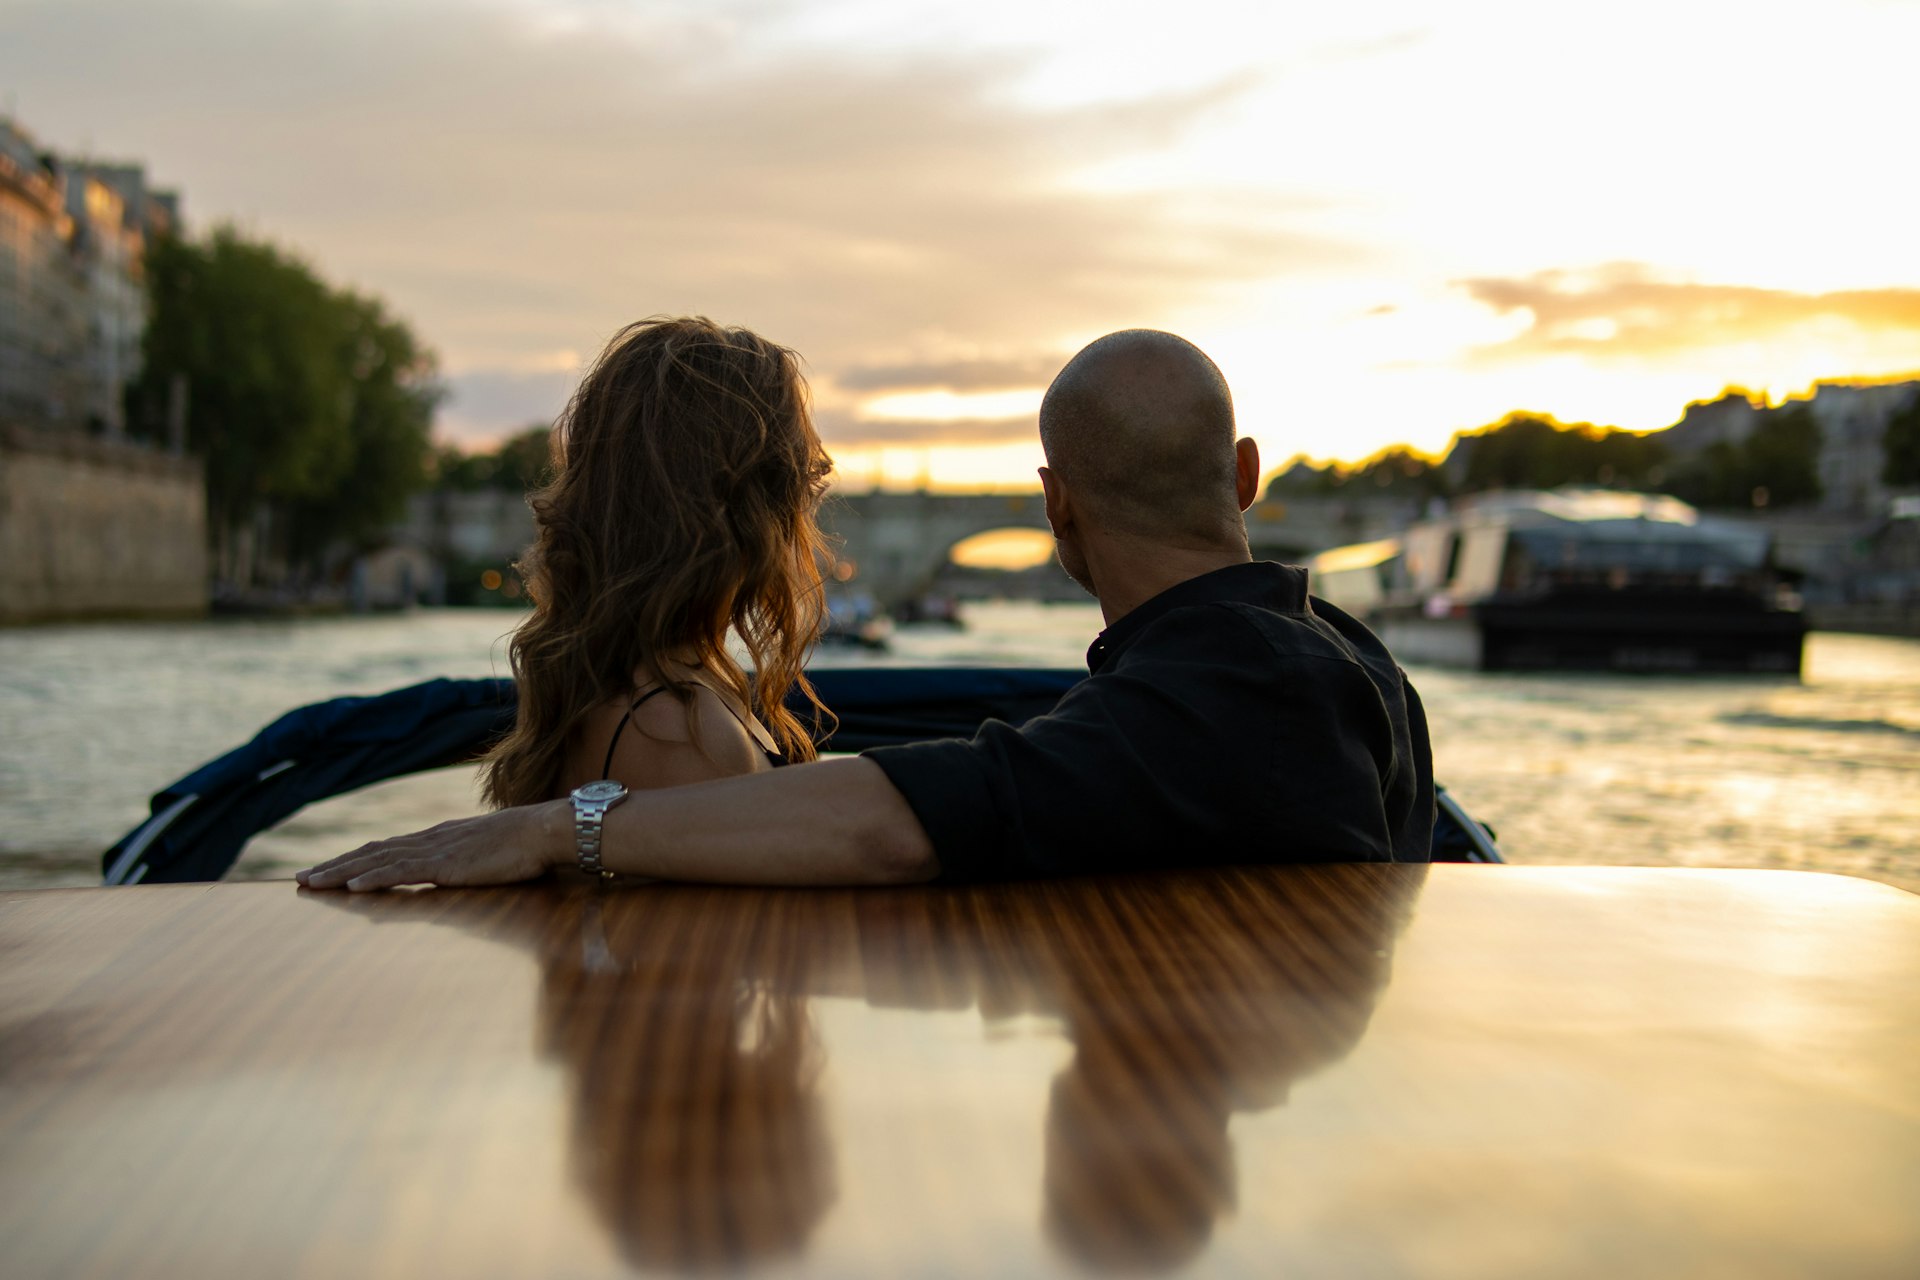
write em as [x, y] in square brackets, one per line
[606, 770]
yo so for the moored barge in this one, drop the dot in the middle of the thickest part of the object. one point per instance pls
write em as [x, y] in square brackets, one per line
[1579, 580]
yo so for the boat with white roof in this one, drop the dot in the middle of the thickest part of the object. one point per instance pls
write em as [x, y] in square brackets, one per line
[1573, 579]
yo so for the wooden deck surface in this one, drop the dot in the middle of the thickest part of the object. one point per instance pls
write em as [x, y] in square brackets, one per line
[1369, 1071]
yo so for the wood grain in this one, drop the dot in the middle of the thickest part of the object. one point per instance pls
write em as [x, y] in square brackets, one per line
[1366, 1070]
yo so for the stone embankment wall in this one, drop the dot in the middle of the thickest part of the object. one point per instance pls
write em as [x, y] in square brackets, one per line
[92, 529]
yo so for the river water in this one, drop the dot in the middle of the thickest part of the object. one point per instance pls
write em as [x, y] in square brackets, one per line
[1817, 774]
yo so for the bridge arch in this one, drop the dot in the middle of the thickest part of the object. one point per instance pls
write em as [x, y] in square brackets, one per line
[1010, 547]
[897, 542]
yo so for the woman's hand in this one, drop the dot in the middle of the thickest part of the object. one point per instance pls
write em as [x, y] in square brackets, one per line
[511, 845]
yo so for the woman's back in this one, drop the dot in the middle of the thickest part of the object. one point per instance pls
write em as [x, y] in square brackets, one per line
[656, 740]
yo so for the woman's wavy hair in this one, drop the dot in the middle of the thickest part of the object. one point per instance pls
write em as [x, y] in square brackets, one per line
[686, 476]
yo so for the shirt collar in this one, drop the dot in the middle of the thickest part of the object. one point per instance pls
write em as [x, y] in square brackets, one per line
[1282, 587]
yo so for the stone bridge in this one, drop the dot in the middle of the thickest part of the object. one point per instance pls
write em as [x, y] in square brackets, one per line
[897, 542]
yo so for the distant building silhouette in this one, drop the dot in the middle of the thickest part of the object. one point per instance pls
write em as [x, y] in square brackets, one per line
[1728, 420]
[1853, 454]
[1853, 423]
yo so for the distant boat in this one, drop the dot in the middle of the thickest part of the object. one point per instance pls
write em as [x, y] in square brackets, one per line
[932, 609]
[1574, 579]
[856, 620]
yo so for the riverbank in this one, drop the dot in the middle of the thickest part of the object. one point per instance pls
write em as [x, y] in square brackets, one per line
[98, 529]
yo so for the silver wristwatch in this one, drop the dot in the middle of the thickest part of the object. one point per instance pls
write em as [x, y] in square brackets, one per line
[590, 805]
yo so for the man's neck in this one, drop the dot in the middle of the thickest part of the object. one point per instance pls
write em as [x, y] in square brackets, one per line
[1129, 571]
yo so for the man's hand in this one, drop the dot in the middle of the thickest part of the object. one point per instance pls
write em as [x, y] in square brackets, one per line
[514, 844]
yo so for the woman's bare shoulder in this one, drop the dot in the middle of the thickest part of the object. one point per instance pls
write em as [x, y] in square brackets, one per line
[663, 742]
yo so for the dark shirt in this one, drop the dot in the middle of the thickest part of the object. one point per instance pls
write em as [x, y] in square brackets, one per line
[1228, 719]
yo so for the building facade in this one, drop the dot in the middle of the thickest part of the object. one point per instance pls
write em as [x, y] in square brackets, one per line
[1853, 421]
[91, 525]
[73, 301]
[1853, 453]
[42, 321]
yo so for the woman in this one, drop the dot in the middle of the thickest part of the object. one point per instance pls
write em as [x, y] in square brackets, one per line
[687, 475]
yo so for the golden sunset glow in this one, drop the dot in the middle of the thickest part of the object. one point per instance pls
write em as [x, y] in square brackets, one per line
[947, 406]
[1004, 549]
[1385, 222]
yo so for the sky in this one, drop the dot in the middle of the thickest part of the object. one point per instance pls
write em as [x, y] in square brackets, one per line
[1386, 222]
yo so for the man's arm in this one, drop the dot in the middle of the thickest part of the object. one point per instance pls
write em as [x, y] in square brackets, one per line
[836, 822]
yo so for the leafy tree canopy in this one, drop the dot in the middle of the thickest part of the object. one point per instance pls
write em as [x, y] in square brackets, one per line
[1777, 465]
[1531, 451]
[1397, 471]
[305, 400]
[1903, 446]
[521, 463]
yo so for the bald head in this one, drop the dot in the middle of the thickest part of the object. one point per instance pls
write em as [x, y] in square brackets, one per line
[1139, 426]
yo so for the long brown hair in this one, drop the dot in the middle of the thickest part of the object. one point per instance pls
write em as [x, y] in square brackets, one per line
[686, 477]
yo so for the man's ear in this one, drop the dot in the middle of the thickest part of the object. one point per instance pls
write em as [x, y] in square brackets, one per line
[1059, 508]
[1246, 471]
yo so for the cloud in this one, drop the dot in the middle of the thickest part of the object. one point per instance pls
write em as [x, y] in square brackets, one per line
[837, 427]
[1623, 311]
[516, 183]
[484, 405]
[1011, 373]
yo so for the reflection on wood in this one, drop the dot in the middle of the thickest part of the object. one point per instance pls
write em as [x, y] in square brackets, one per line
[682, 1021]
[681, 1016]
[557, 1079]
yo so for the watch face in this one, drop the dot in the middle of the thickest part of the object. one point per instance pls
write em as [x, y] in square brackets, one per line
[603, 790]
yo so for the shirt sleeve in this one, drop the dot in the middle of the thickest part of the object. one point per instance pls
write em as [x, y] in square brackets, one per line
[1168, 758]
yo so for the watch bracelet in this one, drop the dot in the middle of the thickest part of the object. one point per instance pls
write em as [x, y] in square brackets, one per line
[587, 831]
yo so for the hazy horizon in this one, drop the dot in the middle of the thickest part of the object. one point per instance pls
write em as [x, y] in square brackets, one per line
[1386, 226]
[1271, 467]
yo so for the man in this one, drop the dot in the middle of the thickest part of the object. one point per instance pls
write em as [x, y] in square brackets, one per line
[1227, 718]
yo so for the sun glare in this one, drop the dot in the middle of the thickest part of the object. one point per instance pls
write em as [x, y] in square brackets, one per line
[1010, 549]
[950, 406]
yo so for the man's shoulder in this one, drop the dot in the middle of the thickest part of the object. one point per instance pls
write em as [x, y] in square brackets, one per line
[1216, 628]
[1280, 634]
[1354, 633]
[1253, 617]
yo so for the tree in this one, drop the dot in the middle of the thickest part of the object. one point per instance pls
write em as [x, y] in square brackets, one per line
[461, 472]
[1301, 476]
[302, 401]
[1783, 457]
[1777, 465]
[1528, 451]
[389, 422]
[525, 460]
[1396, 471]
[1718, 476]
[1902, 445]
[521, 463]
